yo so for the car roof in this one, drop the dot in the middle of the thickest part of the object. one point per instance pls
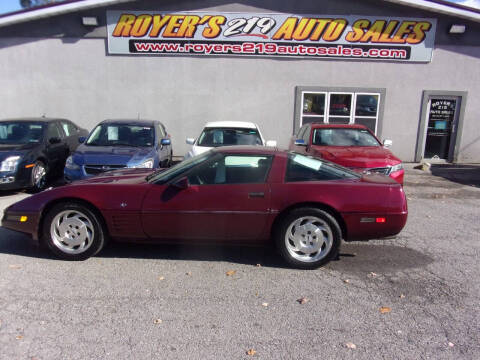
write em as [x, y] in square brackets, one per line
[248, 149]
[339, 126]
[231, 124]
[32, 119]
[139, 122]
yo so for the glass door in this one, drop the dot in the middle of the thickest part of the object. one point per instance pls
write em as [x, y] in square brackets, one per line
[442, 121]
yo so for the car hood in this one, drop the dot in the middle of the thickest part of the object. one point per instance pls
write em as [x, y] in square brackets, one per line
[123, 176]
[357, 156]
[13, 150]
[110, 155]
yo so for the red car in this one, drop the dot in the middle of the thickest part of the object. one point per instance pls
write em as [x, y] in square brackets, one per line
[352, 146]
[233, 195]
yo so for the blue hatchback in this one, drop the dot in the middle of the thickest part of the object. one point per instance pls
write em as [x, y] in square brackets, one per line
[116, 144]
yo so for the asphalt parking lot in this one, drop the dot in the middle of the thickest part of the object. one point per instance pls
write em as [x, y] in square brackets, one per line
[413, 297]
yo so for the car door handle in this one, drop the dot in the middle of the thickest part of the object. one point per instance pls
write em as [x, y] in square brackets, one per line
[256, 195]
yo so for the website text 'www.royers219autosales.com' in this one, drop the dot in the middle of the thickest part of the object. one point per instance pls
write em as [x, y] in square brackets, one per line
[261, 48]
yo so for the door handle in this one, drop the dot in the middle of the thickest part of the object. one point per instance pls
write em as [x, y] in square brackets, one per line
[256, 195]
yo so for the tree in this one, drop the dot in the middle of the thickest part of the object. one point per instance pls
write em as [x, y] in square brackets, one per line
[34, 3]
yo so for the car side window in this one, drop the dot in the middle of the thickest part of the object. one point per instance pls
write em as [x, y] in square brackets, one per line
[301, 132]
[306, 168]
[54, 131]
[68, 128]
[232, 169]
[306, 134]
[160, 132]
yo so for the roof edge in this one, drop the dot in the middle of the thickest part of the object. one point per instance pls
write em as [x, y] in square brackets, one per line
[54, 9]
[442, 7]
[438, 6]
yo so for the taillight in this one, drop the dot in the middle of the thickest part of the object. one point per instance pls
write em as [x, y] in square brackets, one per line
[380, 220]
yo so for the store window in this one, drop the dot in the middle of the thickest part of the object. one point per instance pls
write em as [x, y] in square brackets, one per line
[352, 106]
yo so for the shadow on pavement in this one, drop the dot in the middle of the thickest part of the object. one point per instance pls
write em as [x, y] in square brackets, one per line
[354, 257]
[462, 174]
[248, 255]
[364, 257]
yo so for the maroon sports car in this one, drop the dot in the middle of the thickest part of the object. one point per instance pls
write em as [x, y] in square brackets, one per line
[229, 195]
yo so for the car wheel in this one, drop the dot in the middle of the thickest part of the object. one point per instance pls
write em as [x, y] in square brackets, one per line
[308, 238]
[73, 232]
[39, 177]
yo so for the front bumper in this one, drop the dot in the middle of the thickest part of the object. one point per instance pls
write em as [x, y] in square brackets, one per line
[72, 175]
[398, 176]
[12, 221]
[11, 181]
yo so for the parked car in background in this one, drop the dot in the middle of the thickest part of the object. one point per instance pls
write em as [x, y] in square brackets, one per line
[234, 195]
[32, 150]
[117, 144]
[352, 146]
[227, 133]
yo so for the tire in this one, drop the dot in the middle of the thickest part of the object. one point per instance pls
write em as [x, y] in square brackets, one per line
[73, 232]
[38, 177]
[318, 241]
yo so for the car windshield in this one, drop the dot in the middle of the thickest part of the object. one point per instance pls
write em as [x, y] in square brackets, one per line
[164, 176]
[121, 135]
[344, 137]
[21, 132]
[213, 137]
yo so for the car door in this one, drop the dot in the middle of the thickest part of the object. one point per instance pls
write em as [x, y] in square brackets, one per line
[56, 147]
[227, 199]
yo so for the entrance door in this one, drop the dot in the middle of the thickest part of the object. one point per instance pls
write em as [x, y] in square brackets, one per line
[442, 122]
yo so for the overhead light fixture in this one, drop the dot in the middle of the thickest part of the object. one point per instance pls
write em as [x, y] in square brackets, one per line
[457, 29]
[89, 21]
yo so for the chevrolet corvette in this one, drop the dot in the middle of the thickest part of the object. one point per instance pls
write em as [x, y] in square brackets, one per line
[232, 195]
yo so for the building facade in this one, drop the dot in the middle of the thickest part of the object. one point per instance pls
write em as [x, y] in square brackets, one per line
[403, 70]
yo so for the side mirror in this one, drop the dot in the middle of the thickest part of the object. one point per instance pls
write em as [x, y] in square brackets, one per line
[81, 139]
[55, 140]
[271, 143]
[190, 141]
[387, 143]
[300, 142]
[165, 141]
[181, 184]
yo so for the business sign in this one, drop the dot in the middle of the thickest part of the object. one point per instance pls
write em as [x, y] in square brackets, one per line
[311, 36]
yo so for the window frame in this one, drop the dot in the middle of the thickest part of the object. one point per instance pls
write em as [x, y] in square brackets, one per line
[364, 116]
[324, 108]
[300, 91]
[352, 103]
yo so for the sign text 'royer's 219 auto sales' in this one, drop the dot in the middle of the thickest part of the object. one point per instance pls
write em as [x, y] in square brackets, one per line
[313, 36]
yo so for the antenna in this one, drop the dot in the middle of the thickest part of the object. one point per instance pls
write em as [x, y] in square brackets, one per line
[138, 116]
